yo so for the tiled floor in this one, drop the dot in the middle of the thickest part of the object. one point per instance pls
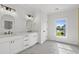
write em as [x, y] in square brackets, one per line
[50, 47]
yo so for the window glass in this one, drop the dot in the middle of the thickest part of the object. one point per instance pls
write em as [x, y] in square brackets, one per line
[61, 27]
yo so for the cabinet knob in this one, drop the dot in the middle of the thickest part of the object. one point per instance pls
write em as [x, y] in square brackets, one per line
[11, 41]
[43, 30]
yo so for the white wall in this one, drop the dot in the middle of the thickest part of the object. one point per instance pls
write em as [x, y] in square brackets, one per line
[72, 24]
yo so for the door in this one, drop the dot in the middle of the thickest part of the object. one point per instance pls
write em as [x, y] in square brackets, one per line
[43, 33]
[43, 27]
[4, 48]
[16, 45]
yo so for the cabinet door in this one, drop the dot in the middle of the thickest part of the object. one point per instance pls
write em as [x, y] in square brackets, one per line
[4, 48]
[33, 39]
[16, 45]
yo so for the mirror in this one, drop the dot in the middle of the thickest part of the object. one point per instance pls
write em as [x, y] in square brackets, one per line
[8, 25]
[29, 25]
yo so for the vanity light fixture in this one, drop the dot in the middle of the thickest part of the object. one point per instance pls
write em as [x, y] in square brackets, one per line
[7, 8]
[30, 17]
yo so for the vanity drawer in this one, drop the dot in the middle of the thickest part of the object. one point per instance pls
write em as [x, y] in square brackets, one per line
[26, 39]
[26, 46]
[26, 42]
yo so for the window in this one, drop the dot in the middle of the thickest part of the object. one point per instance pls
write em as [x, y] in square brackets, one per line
[61, 27]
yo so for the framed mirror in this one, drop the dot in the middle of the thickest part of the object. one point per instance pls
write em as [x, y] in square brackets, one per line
[8, 23]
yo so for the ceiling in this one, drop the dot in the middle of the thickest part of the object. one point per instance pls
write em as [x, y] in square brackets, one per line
[47, 8]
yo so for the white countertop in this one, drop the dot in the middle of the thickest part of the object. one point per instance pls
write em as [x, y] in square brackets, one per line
[13, 36]
[17, 34]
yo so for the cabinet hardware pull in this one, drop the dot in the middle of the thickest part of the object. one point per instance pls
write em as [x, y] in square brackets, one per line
[26, 40]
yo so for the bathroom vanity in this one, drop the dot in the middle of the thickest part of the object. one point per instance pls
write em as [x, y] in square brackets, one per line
[14, 43]
[10, 44]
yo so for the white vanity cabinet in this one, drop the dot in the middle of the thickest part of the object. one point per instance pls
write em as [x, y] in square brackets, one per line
[26, 42]
[11, 45]
[30, 39]
[16, 45]
[4, 47]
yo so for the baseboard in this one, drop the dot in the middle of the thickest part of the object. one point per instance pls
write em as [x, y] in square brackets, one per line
[64, 43]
